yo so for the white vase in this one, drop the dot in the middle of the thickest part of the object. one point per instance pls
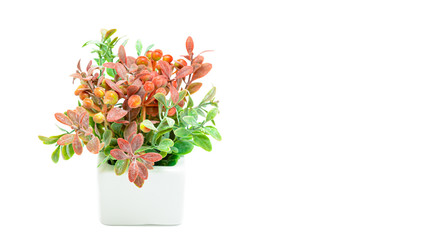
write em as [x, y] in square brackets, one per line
[158, 202]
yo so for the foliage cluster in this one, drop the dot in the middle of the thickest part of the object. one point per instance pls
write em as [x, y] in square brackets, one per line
[137, 112]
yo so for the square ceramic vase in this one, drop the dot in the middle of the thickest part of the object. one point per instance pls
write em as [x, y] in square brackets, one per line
[158, 202]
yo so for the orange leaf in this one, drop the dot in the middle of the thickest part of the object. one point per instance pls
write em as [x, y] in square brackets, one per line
[189, 44]
[142, 170]
[119, 154]
[137, 142]
[139, 182]
[93, 145]
[151, 157]
[183, 72]
[121, 70]
[174, 93]
[165, 67]
[124, 145]
[115, 114]
[133, 171]
[122, 54]
[62, 118]
[194, 87]
[202, 71]
[66, 139]
[77, 145]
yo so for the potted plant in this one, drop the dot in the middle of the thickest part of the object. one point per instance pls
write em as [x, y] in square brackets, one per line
[138, 116]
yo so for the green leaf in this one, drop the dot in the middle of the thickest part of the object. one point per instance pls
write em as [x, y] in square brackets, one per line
[190, 102]
[55, 155]
[106, 137]
[121, 166]
[143, 148]
[79, 103]
[111, 72]
[107, 150]
[212, 114]
[163, 154]
[202, 141]
[148, 48]
[165, 145]
[171, 160]
[184, 147]
[62, 129]
[148, 124]
[209, 96]
[138, 47]
[190, 120]
[125, 42]
[109, 33]
[70, 150]
[50, 140]
[170, 121]
[116, 127]
[213, 132]
[89, 42]
[104, 160]
[182, 132]
[64, 153]
[161, 98]
[161, 133]
[113, 142]
[181, 96]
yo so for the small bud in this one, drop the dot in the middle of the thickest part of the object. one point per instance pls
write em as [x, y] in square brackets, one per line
[99, 118]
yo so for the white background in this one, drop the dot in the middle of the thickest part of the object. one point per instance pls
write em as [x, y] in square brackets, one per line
[323, 117]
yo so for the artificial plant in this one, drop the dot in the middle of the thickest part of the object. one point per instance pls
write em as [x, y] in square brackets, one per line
[137, 112]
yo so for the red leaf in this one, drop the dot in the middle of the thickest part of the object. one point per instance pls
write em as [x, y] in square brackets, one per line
[118, 83]
[183, 72]
[133, 171]
[149, 165]
[139, 182]
[77, 145]
[76, 75]
[119, 154]
[66, 139]
[114, 87]
[115, 114]
[84, 120]
[187, 57]
[100, 80]
[124, 145]
[194, 87]
[131, 129]
[78, 65]
[205, 51]
[109, 65]
[132, 89]
[142, 170]
[151, 157]
[73, 116]
[93, 145]
[122, 54]
[174, 93]
[137, 142]
[189, 44]
[199, 59]
[165, 67]
[80, 111]
[202, 71]
[62, 118]
[89, 65]
[121, 70]
[130, 60]
[122, 121]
